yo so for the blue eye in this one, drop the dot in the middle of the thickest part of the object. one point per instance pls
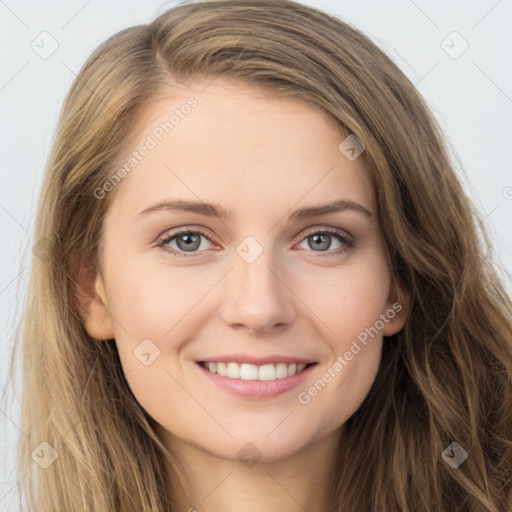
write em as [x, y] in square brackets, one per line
[323, 240]
[188, 241]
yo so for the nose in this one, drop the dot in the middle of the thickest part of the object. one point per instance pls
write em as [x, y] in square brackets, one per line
[257, 295]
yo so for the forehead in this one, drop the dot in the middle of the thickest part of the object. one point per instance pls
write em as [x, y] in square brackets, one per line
[230, 142]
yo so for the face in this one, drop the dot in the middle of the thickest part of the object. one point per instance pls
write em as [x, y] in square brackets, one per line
[251, 278]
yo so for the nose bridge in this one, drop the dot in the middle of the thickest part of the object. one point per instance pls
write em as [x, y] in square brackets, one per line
[256, 294]
[256, 269]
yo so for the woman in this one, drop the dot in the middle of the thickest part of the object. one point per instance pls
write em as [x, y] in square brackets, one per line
[263, 285]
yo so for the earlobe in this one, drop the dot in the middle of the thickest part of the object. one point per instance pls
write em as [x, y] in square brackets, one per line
[396, 311]
[92, 301]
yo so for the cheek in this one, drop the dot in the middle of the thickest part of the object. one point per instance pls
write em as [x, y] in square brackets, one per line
[154, 320]
[340, 390]
[346, 300]
[349, 310]
[159, 311]
[151, 301]
[174, 306]
[349, 305]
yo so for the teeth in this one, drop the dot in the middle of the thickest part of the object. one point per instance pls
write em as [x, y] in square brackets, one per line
[246, 371]
[221, 368]
[233, 370]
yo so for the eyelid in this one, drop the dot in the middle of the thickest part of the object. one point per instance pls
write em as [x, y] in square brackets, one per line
[328, 229]
[172, 234]
[346, 237]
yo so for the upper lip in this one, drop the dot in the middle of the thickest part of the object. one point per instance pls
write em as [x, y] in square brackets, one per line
[258, 361]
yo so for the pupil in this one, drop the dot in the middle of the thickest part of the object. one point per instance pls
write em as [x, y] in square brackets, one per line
[319, 239]
[189, 240]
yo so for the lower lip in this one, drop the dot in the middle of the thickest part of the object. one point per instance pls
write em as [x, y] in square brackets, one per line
[258, 389]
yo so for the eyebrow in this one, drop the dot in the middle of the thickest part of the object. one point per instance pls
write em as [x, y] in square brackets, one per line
[217, 211]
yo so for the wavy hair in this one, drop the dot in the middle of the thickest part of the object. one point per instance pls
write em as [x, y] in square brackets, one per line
[445, 377]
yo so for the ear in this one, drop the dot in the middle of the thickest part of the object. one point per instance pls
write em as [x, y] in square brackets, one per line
[397, 309]
[92, 301]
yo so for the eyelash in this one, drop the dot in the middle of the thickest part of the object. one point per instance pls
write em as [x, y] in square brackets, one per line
[348, 242]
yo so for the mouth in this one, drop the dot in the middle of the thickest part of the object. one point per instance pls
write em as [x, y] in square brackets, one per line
[252, 372]
[256, 382]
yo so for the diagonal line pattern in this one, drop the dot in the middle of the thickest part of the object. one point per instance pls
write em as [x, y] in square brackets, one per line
[217, 486]
[209, 83]
[424, 14]
[199, 403]
[14, 423]
[424, 76]
[14, 486]
[14, 76]
[83, 396]
[492, 81]
[488, 215]
[76, 14]
[198, 301]
[94, 93]
[282, 421]
[13, 217]
[415, 85]
[301, 300]
[277, 482]
[12, 280]
[7, 7]
[476, 228]
[485, 15]
[107, 310]
[299, 200]
[225, 225]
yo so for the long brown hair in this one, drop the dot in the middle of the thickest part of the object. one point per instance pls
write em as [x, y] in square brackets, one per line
[445, 377]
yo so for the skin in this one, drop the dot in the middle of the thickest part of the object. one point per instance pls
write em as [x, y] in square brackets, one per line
[282, 154]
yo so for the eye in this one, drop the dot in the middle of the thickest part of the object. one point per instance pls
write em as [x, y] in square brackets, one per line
[190, 241]
[186, 241]
[321, 241]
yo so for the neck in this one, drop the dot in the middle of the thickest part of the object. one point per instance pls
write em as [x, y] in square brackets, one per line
[297, 483]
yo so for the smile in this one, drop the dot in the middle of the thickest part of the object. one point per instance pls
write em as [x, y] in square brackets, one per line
[246, 371]
[255, 382]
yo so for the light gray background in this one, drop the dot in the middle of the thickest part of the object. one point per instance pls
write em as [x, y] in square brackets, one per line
[471, 96]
